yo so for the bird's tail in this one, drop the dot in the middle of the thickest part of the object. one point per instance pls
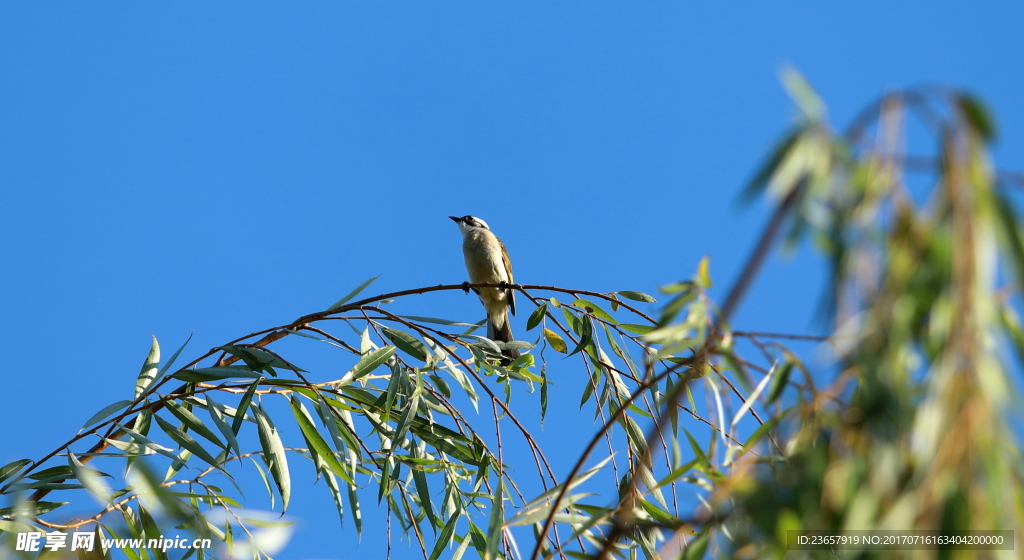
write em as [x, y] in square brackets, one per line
[502, 332]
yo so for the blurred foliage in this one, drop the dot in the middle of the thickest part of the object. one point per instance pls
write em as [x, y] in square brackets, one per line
[710, 441]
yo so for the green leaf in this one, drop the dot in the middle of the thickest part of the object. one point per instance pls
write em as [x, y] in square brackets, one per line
[218, 419]
[780, 381]
[332, 485]
[637, 296]
[131, 448]
[371, 360]
[543, 392]
[192, 422]
[594, 309]
[89, 478]
[536, 316]
[556, 342]
[353, 502]
[186, 442]
[32, 508]
[749, 402]
[461, 550]
[438, 321]
[53, 473]
[769, 167]
[407, 417]
[149, 369]
[168, 363]
[148, 443]
[407, 342]
[759, 433]
[13, 468]
[151, 531]
[15, 527]
[259, 359]
[243, 404]
[462, 379]
[216, 373]
[586, 332]
[977, 115]
[637, 329]
[495, 522]
[338, 429]
[266, 482]
[97, 552]
[423, 494]
[106, 411]
[696, 548]
[634, 433]
[538, 508]
[802, 93]
[352, 294]
[446, 533]
[273, 455]
[315, 440]
[698, 452]
[663, 517]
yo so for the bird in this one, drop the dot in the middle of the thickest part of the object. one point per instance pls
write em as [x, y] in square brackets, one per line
[487, 262]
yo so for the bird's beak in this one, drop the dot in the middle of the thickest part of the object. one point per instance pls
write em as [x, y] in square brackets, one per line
[455, 219]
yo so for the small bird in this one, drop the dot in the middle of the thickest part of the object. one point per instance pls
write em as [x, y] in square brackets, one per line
[487, 263]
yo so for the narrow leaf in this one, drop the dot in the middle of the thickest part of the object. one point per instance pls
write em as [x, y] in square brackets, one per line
[536, 316]
[89, 478]
[494, 524]
[243, 404]
[186, 442]
[371, 360]
[314, 439]
[218, 419]
[13, 468]
[353, 502]
[407, 342]
[637, 329]
[274, 455]
[781, 379]
[149, 369]
[637, 296]
[446, 534]
[752, 398]
[192, 422]
[977, 115]
[107, 411]
[594, 309]
[332, 485]
[352, 294]
[167, 365]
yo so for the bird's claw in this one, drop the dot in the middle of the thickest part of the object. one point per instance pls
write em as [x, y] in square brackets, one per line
[465, 287]
[503, 285]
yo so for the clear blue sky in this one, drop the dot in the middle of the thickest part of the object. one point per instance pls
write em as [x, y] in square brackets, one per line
[182, 167]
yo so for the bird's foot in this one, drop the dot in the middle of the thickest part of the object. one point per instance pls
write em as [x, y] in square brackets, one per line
[504, 285]
[465, 287]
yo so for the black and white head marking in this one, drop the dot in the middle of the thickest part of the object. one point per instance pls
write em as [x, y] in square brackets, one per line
[469, 223]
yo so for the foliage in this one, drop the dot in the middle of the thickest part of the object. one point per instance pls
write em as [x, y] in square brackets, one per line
[903, 428]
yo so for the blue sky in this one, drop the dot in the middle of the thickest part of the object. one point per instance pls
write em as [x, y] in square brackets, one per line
[170, 168]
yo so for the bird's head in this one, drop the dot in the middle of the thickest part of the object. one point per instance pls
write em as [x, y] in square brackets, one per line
[469, 223]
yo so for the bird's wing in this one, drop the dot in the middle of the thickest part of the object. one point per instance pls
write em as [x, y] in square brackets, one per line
[508, 271]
